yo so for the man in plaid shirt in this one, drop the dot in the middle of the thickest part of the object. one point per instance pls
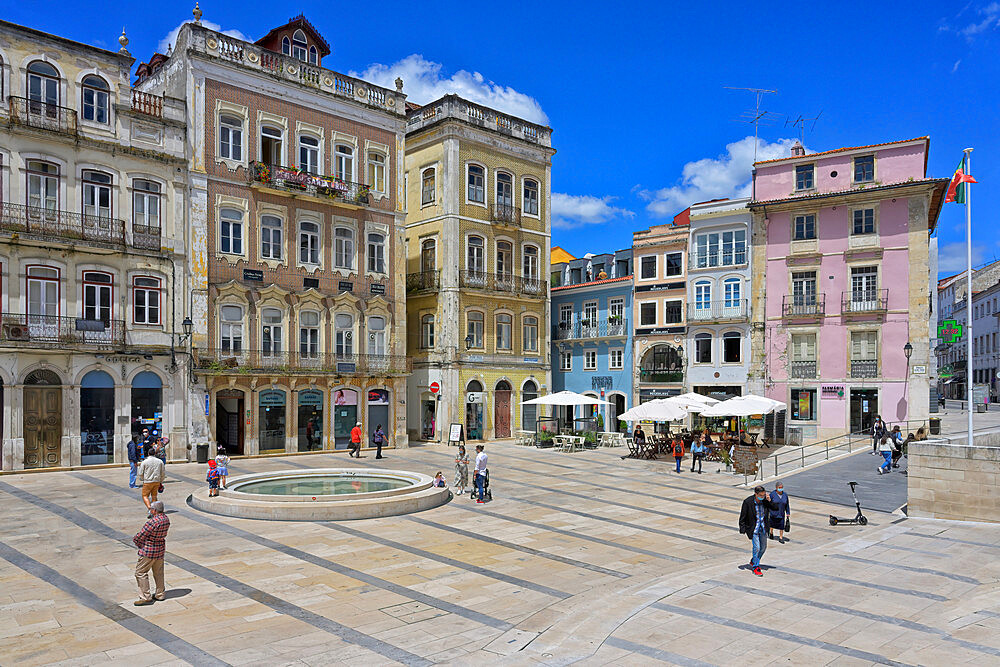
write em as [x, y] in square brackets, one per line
[152, 543]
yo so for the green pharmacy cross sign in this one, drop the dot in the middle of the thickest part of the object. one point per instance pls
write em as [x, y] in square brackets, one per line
[950, 331]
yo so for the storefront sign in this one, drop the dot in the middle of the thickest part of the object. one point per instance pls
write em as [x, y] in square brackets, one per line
[255, 275]
[272, 397]
[659, 288]
[347, 367]
[474, 397]
[659, 331]
[206, 405]
[377, 289]
[950, 331]
[119, 359]
[919, 370]
[650, 394]
[378, 397]
[456, 434]
[833, 391]
[311, 397]
[531, 360]
[601, 382]
[345, 286]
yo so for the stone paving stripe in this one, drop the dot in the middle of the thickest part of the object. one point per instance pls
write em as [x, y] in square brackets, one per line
[384, 584]
[986, 612]
[778, 634]
[655, 653]
[865, 584]
[144, 629]
[430, 555]
[569, 533]
[881, 618]
[955, 540]
[518, 547]
[281, 606]
[910, 568]
[897, 547]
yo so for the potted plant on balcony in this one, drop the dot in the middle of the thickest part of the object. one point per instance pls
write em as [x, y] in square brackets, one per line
[615, 320]
[585, 323]
[363, 192]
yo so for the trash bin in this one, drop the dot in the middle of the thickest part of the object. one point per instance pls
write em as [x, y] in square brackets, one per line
[935, 426]
[980, 407]
[793, 438]
[202, 453]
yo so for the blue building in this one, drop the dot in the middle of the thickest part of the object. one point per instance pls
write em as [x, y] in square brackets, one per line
[591, 332]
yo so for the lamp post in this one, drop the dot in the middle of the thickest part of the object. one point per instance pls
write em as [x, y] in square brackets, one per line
[907, 352]
[468, 342]
[179, 339]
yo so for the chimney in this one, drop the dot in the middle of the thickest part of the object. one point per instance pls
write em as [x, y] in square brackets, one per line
[798, 150]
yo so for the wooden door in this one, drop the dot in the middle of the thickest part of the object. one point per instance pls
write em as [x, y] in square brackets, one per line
[501, 417]
[42, 427]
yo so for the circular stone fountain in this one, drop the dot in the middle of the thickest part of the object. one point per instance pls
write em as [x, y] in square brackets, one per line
[323, 494]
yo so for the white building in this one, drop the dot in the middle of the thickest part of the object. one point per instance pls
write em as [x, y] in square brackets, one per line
[718, 340]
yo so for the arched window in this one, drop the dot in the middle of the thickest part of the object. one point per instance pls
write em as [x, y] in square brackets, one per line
[529, 263]
[43, 88]
[271, 139]
[376, 172]
[475, 261]
[504, 332]
[146, 299]
[529, 199]
[732, 344]
[505, 258]
[376, 253]
[308, 242]
[95, 99]
[427, 187]
[343, 248]
[231, 329]
[286, 45]
[43, 188]
[309, 153]
[475, 325]
[529, 334]
[505, 191]
[98, 296]
[96, 194]
[313, 55]
[309, 334]
[145, 206]
[474, 385]
[270, 237]
[703, 348]
[230, 137]
[731, 289]
[343, 324]
[270, 332]
[477, 184]
[299, 46]
[43, 297]
[428, 255]
[376, 335]
[427, 332]
[343, 162]
[231, 231]
[703, 295]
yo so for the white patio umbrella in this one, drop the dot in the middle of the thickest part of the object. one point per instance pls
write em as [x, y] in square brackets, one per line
[744, 406]
[565, 398]
[692, 402]
[659, 410]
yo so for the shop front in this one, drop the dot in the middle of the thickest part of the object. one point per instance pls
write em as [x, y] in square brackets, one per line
[310, 420]
[97, 418]
[147, 403]
[345, 416]
[230, 421]
[474, 411]
[271, 421]
[428, 417]
[378, 415]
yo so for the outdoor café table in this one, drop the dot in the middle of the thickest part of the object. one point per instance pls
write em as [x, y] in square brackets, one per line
[569, 443]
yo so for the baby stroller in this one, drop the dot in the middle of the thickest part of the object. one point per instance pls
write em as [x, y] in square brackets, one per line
[487, 494]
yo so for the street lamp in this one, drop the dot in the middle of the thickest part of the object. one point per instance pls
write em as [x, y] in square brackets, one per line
[187, 325]
[907, 351]
[468, 342]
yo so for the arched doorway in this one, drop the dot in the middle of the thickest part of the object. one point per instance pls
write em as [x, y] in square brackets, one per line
[97, 418]
[529, 413]
[229, 425]
[501, 409]
[42, 419]
[147, 403]
[474, 411]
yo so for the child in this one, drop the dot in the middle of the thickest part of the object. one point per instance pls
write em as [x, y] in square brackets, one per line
[439, 480]
[212, 477]
[222, 463]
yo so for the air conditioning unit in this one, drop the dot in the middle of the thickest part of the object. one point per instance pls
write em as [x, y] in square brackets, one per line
[15, 332]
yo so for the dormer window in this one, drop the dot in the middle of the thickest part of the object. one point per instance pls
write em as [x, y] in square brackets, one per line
[300, 48]
[313, 55]
[286, 45]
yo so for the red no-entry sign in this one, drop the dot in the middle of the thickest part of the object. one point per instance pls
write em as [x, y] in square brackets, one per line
[435, 387]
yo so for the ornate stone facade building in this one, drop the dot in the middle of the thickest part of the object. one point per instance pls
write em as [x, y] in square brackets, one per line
[92, 255]
[296, 223]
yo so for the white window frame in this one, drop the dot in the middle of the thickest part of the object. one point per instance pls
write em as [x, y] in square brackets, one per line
[227, 131]
[468, 168]
[339, 248]
[566, 360]
[504, 344]
[311, 242]
[378, 337]
[428, 196]
[273, 160]
[231, 330]
[100, 100]
[478, 331]
[656, 267]
[538, 197]
[343, 335]
[375, 251]
[703, 337]
[148, 214]
[148, 292]
[795, 177]
[616, 359]
[273, 331]
[267, 235]
[378, 171]
[230, 224]
[529, 333]
[590, 360]
[427, 331]
[731, 335]
[344, 161]
[311, 147]
[309, 335]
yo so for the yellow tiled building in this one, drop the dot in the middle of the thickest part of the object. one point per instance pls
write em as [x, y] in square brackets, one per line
[477, 247]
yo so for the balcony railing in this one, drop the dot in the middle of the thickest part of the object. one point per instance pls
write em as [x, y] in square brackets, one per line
[867, 368]
[714, 260]
[423, 281]
[60, 225]
[574, 330]
[660, 375]
[869, 301]
[146, 103]
[296, 181]
[726, 309]
[502, 282]
[802, 369]
[42, 115]
[52, 330]
[505, 215]
[803, 305]
[247, 361]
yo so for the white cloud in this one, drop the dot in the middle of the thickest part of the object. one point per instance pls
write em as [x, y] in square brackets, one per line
[171, 37]
[954, 67]
[727, 175]
[425, 81]
[569, 211]
[951, 257]
[988, 19]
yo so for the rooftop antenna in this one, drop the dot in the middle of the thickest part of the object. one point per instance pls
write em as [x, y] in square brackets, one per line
[756, 116]
[801, 123]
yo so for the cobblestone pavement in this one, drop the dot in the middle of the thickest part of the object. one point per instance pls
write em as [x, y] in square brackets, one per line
[579, 558]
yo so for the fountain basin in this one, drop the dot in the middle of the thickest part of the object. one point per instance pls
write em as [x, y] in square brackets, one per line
[323, 494]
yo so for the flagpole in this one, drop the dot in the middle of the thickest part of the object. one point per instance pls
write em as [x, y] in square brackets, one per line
[968, 284]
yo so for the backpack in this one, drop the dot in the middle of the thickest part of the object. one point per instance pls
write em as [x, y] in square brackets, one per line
[678, 449]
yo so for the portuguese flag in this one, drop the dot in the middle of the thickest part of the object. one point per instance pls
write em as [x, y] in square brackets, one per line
[956, 189]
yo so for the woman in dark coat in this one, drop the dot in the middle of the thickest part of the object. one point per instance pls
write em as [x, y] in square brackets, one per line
[780, 500]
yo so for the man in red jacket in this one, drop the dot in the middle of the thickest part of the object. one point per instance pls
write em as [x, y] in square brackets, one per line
[356, 441]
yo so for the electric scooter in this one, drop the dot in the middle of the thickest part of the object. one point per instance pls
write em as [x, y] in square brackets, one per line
[860, 519]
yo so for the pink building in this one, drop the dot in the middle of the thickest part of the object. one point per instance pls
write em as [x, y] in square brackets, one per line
[841, 252]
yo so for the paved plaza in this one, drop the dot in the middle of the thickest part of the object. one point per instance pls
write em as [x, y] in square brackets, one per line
[579, 558]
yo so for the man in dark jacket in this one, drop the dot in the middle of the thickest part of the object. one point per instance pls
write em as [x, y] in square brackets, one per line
[133, 460]
[755, 524]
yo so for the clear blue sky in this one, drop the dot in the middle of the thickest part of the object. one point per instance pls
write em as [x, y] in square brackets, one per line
[636, 92]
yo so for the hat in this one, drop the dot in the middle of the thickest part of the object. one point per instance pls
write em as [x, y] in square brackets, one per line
[358, 424]
[211, 463]
[758, 489]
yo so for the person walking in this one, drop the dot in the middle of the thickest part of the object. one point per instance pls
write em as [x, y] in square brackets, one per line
[151, 475]
[161, 448]
[885, 449]
[877, 431]
[897, 440]
[461, 470]
[222, 463]
[479, 474]
[378, 438]
[356, 441]
[134, 457]
[678, 450]
[152, 542]
[698, 451]
[754, 523]
[778, 517]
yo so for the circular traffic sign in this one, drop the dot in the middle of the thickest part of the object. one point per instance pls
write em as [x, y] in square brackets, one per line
[435, 387]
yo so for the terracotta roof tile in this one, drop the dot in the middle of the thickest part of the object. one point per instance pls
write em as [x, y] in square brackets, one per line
[593, 282]
[841, 150]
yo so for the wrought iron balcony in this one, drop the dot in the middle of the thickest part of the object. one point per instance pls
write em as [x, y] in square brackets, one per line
[866, 368]
[868, 301]
[223, 362]
[718, 311]
[803, 305]
[62, 225]
[423, 281]
[802, 369]
[42, 115]
[505, 215]
[52, 330]
[660, 375]
[595, 329]
[502, 282]
[295, 181]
